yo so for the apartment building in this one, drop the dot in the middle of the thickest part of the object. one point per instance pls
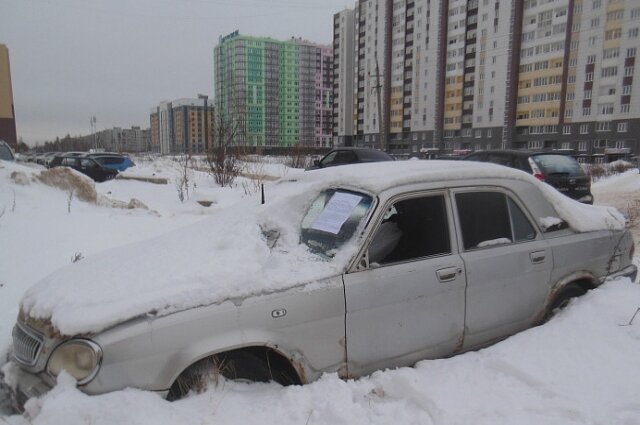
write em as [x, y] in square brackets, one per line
[7, 114]
[456, 76]
[182, 126]
[116, 139]
[274, 93]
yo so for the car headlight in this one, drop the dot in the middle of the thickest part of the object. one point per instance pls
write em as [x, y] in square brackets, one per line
[80, 358]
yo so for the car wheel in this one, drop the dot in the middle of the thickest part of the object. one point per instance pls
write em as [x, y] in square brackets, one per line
[572, 290]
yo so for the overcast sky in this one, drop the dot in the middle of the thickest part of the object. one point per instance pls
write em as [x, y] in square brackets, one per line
[116, 59]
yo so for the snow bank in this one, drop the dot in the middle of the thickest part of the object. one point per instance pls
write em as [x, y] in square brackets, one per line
[580, 368]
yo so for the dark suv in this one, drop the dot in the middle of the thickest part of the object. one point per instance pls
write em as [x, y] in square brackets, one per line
[559, 170]
[87, 166]
[344, 156]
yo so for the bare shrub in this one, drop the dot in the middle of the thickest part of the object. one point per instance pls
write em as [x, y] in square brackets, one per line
[298, 157]
[183, 181]
[69, 199]
[596, 172]
[633, 212]
[68, 180]
[77, 257]
[223, 156]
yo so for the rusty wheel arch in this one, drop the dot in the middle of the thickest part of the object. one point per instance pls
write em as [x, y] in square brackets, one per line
[583, 279]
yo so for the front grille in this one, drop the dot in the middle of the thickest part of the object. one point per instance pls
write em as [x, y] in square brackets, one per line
[26, 345]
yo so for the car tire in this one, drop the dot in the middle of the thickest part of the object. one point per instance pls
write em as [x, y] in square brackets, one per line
[561, 300]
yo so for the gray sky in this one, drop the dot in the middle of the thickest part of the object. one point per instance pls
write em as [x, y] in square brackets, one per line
[116, 59]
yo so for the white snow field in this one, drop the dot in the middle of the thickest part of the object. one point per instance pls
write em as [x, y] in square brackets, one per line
[582, 367]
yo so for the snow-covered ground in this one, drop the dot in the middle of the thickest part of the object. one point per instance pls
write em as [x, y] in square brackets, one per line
[581, 368]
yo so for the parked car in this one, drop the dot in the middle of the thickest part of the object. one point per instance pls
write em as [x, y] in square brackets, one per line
[559, 170]
[116, 162]
[87, 166]
[6, 153]
[343, 156]
[45, 158]
[347, 270]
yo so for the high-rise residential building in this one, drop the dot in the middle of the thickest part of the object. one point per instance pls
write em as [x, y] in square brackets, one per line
[7, 113]
[182, 126]
[343, 71]
[458, 75]
[274, 93]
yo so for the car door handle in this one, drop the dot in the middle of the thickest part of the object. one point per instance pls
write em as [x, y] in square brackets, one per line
[448, 274]
[537, 257]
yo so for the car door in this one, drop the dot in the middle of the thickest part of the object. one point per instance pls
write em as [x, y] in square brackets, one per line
[92, 169]
[405, 302]
[508, 264]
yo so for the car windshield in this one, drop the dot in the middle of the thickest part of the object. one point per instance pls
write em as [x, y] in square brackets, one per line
[558, 164]
[332, 219]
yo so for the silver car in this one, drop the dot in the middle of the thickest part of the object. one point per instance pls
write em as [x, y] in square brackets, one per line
[417, 260]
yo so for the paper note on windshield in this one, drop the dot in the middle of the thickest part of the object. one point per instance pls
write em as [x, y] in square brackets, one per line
[336, 212]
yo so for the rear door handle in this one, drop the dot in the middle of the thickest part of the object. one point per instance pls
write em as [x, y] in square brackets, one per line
[448, 274]
[537, 257]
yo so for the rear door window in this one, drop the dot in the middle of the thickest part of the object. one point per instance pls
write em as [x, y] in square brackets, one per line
[491, 218]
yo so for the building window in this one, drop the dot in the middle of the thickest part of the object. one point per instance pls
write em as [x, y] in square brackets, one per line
[628, 71]
[606, 108]
[603, 126]
[582, 146]
[591, 59]
[623, 127]
[621, 144]
[565, 145]
[586, 112]
[624, 109]
[584, 128]
[566, 129]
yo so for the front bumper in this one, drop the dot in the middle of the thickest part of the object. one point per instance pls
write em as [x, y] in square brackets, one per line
[22, 386]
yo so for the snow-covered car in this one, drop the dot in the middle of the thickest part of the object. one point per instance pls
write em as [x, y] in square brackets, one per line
[346, 270]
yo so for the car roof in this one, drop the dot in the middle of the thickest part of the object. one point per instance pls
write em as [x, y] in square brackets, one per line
[519, 152]
[376, 177]
[365, 153]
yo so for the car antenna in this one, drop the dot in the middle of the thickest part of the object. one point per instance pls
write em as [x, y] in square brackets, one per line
[262, 190]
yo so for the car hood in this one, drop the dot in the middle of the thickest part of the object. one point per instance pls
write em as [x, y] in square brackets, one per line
[226, 256]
